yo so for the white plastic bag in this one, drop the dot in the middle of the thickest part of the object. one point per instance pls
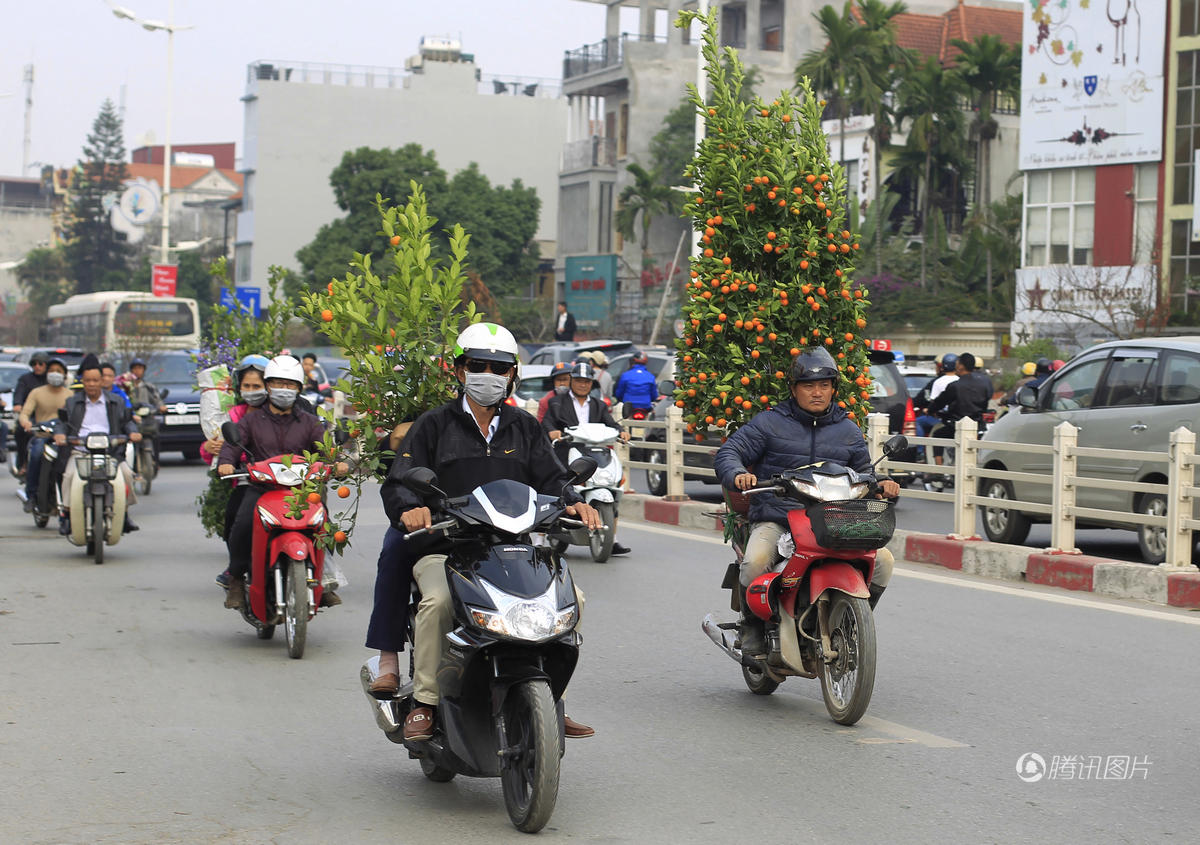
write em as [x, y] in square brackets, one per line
[216, 398]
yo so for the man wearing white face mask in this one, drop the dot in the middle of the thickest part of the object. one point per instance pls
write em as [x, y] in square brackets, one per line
[282, 430]
[468, 441]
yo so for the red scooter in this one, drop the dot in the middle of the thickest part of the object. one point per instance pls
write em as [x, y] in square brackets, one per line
[819, 622]
[284, 584]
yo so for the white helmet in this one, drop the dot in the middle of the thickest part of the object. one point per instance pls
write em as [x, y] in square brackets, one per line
[487, 342]
[285, 366]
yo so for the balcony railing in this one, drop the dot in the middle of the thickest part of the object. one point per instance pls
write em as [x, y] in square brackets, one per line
[607, 53]
[359, 76]
[590, 152]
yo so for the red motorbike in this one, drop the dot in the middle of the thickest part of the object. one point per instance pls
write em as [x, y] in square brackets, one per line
[814, 604]
[284, 584]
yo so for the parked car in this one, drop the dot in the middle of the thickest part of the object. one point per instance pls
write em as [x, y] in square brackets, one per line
[889, 396]
[10, 372]
[70, 356]
[568, 351]
[533, 382]
[915, 378]
[175, 373]
[1127, 394]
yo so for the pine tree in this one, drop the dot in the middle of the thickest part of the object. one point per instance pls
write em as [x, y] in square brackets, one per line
[97, 259]
[774, 276]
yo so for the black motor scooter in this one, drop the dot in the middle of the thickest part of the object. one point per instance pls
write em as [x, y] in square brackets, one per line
[512, 651]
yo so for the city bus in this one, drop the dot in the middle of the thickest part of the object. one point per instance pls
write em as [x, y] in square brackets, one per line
[124, 323]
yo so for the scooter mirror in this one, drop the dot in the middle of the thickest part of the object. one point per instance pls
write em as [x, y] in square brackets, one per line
[582, 469]
[421, 480]
[166, 391]
[666, 388]
[340, 436]
[894, 444]
[230, 433]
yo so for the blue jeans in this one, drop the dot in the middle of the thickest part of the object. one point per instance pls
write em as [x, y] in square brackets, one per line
[388, 628]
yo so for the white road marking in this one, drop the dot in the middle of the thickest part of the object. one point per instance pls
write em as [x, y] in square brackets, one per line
[906, 569]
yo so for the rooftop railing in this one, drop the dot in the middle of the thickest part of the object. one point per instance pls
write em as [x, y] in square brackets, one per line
[364, 76]
[602, 54]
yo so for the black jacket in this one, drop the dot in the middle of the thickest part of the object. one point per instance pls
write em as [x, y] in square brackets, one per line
[568, 329]
[447, 441]
[786, 437]
[25, 384]
[119, 421]
[560, 413]
[966, 396]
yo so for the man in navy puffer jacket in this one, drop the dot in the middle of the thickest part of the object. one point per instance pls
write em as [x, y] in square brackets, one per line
[803, 430]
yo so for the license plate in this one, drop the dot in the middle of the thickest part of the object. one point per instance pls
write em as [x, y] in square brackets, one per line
[182, 419]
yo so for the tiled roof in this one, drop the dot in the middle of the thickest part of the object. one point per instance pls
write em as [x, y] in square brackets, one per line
[930, 35]
[181, 176]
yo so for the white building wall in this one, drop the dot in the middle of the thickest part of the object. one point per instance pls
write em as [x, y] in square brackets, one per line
[297, 132]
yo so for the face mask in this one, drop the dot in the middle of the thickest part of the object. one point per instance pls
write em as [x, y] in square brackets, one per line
[283, 398]
[486, 388]
[254, 398]
[561, 389]
[55, 379]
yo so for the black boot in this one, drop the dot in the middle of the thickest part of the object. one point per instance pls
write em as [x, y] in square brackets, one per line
[876, 593]
[752, 635]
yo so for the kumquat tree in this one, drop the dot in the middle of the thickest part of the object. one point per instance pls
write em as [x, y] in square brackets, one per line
[398, 332]
[774, 275]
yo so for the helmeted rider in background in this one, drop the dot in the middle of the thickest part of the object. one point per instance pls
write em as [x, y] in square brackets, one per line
[140, 391]
[471, 440]
[805, 429]
[637, 386]
[41, 405]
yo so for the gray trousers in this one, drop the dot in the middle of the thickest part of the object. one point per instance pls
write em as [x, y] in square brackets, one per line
[762, 554]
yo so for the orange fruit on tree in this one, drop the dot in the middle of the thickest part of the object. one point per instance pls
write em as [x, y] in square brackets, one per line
[395, 240]
[343, 492]
[327, 316]
[313, 497]
[329, 287]
[754, 353]
[747, 405]
[765, 399]
[339, 537]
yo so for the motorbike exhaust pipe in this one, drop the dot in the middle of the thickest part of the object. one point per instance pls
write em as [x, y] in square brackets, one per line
[724, 639]
[387, 717]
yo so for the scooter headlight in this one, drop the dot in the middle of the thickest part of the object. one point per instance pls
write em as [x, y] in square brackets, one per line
[525, 619]
[97, 442]
[267, 517]
[318, 515]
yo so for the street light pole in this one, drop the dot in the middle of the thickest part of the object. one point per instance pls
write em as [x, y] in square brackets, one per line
[169, 28]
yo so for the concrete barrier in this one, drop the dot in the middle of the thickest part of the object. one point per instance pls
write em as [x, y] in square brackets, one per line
[1082, 573]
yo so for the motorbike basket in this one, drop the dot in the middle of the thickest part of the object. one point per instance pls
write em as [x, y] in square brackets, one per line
[853, 524]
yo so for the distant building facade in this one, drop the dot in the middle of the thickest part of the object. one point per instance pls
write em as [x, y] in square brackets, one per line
[301, 118]
[27, 221]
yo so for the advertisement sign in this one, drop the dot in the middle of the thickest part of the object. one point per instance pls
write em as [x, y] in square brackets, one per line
[591, 289]
[247, 299]
[1077, 305]
[1092, 86]
[163, 278]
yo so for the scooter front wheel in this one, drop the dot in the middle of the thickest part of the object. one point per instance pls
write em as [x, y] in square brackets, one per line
[531, 764]
[295, 608]
[849, 679]
[758, 681]
[601, 542]
[98, 532]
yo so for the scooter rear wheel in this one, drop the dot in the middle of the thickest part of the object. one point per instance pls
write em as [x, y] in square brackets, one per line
[530, 774]
[848, 681]
[758, 682]
[295, 608]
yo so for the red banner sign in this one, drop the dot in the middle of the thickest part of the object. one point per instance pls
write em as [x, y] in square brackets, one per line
[162, 279]
[881, 345]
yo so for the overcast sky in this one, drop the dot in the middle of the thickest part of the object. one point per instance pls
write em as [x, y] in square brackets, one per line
[82, 54]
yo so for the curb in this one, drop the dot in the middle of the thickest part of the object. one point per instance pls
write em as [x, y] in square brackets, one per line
[1081, 573]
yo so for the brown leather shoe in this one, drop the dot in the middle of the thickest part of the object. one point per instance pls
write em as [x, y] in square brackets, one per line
[385, 686]
[418, 724]
[329, 598]
[235, 595]
[575, 730]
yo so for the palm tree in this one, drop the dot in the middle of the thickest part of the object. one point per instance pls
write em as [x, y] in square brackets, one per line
[989, 67]
[842, 69]
[888, 63]
[646, 197]
[929, 98]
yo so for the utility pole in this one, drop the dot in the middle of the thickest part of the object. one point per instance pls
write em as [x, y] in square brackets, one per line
[28, 140]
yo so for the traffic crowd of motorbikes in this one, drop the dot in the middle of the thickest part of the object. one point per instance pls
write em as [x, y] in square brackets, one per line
[483, 500]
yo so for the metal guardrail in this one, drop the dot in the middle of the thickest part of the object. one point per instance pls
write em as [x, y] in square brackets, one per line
[1180, 489]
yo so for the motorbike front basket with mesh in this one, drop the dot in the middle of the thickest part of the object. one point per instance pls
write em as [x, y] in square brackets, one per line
[853, 524]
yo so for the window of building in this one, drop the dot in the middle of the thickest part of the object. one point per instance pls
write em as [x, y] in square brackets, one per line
[851, 168]
[1060, 216]
[1185, 260]
[573, 214]
[1187, 126]
[623, 131]
[605, 225]
[1145, 211]
[1188, 22]
[733, 25]
[241, 263]
[771, 20]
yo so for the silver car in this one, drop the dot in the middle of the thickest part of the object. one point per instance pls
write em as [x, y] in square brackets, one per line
[1127, 394]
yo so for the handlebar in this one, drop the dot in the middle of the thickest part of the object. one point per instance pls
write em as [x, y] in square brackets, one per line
[437, 526]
